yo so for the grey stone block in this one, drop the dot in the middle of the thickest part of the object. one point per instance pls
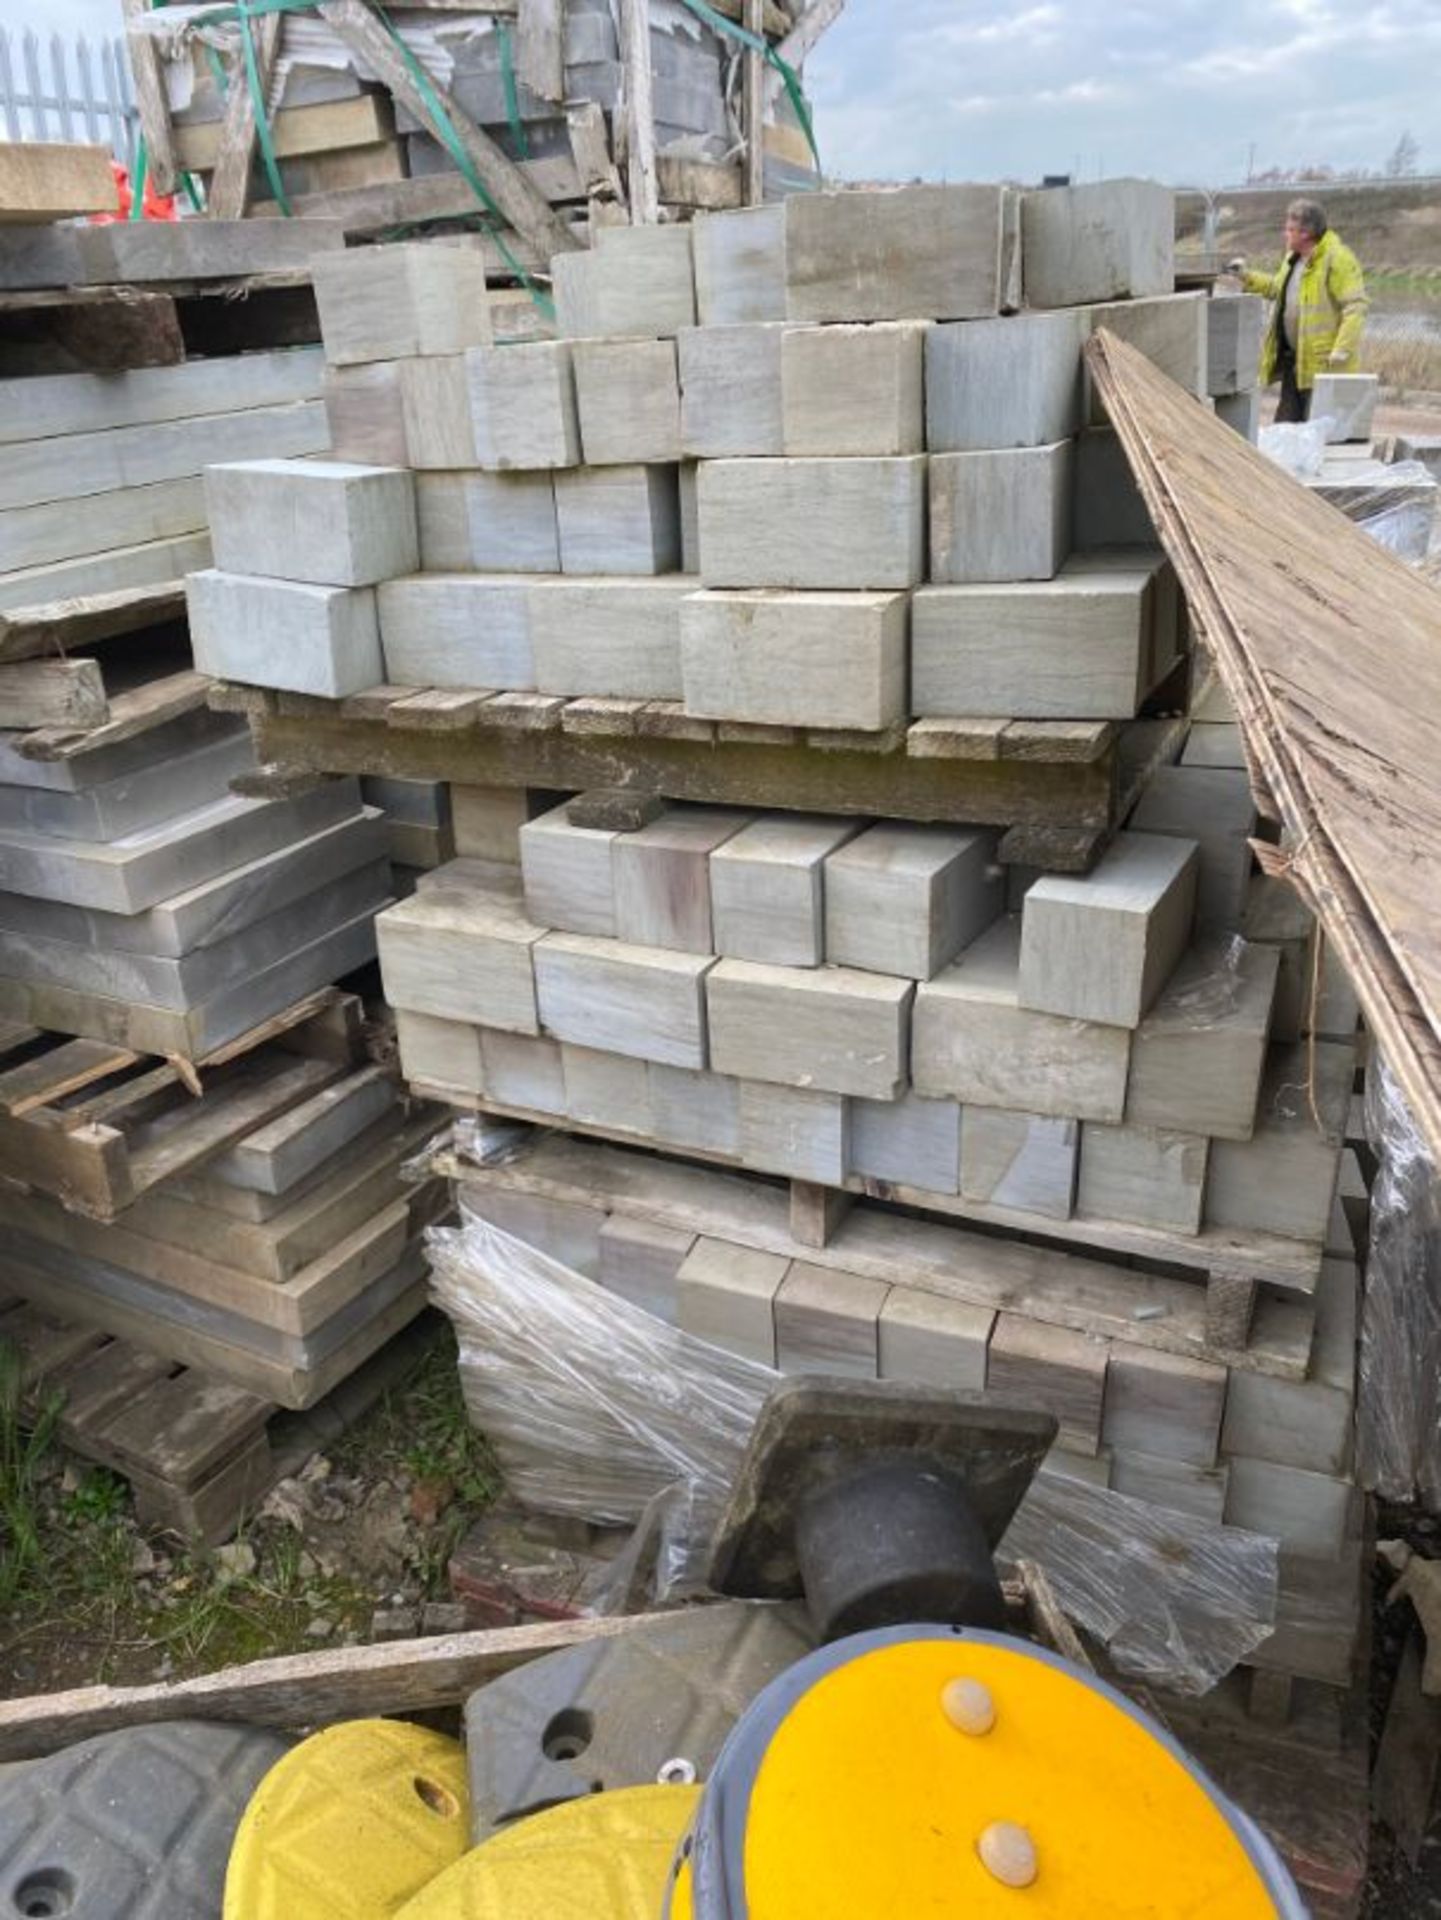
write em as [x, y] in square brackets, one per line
[767, 889]
[726, 1295]
[1032, 1364]
[1105, 241]
[1170, 329]
[1235, 325]
[456, 630]
[1167, 1406]
[794, 1131]
[619, 519]
[1109, 510]
[740, 266]
[1306, 1512]
[567, 875]
[894, 253]
[1172, 1485]
[1198, 1056]
[1142, 1176]
[934, 1342]
[1079, 647]
[830, 1029]
[636, 282]
[628, 397]
[795, 659]
[523, 1070]
[646, 1002]
[522, 405]
[563, 1230]
[323, 521]
[487, 821]
[619, 638]
[640, 1261]
[662, 877]
[363, 411]
[973, 1041]
[827, 1322]
[386, 303]
[730, 390]
[697, 1110]
[605, 1089]
[1282, 1180]
[813, 523]
[435, 405]
[1213, 807]
[1000, 516]
[1014, 381]
[462, 952]
[282, 633]
[854, 390]
[909, 1142]
[904, 899]
[487, 522]
[1214, 744]
[1100, 946]
[1304, 1423]
[440, 1053]
[1241, 411]
[1024, 1161]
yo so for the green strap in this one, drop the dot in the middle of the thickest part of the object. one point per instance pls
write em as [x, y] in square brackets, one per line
[137, 180]
[512, 96]
[217, 71]
[245, 10]
[718, 23]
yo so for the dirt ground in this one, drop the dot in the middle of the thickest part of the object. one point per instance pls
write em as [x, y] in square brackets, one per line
[367, 1526]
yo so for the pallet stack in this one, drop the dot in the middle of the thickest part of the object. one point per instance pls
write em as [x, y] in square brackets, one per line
[794, 486]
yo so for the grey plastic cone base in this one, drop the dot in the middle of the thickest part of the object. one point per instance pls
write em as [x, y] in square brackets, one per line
[135, 1825]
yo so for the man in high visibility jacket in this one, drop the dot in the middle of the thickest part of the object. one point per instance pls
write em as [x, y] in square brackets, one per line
[1320, 303]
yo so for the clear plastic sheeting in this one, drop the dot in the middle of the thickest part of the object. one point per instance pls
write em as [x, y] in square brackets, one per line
[598, 1410]
[1398, 1416]
[1174, 1600]
[1299, 446]
[1395, 504]
[593, 1405]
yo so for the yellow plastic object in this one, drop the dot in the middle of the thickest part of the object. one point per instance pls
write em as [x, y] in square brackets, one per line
[349, 1825]
[871, 1799]
[607, 1857]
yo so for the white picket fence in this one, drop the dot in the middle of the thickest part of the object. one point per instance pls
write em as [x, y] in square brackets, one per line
[66, 91]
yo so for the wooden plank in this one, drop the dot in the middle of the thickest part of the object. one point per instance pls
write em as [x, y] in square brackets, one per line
[63, 625]
[802, 38]
[53, 180]
[306, 1689]
[150, 97]
[85, 1166]
[540, 48]
[65, 1069]
[639, 112]
[753, 110]
[53, 693]
[1086, 1295]
[590, 145]
[132, 713]
[517, 199]
[255, 1094]
[1323, 725]
[229, 188]
[817, 1212]
[1073, 798]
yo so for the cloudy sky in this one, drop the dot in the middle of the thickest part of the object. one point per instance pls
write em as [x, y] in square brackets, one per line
[1184, 90]
[1179, 89]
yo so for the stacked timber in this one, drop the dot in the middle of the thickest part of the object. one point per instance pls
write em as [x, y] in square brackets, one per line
[259, 1231]
[822, 567]
[557, 110]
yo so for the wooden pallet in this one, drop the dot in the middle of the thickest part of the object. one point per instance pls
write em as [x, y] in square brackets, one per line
[1073, 1287]
[1232, 1266]
[1058, 787]
[97, 1125]
[198, 1452]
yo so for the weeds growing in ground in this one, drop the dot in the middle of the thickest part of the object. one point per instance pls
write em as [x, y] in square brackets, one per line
[23, 1446]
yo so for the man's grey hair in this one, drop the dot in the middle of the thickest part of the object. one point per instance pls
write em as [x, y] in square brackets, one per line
[1309, 214]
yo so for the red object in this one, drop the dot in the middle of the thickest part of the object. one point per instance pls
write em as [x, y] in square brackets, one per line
[153, 206]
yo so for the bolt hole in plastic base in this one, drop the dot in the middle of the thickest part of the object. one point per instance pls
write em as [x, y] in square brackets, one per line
[45, 1895]
[441, 1801]
[567, 1734]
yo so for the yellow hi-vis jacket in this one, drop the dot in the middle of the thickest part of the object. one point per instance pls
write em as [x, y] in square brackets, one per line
[1332, 313]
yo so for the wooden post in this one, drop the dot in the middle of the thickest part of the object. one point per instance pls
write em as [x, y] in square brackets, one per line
[639, 113]
[540, 48]
[151, 101]
[753, 109]
[802, 39]
[230, 183]
[518, 200]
